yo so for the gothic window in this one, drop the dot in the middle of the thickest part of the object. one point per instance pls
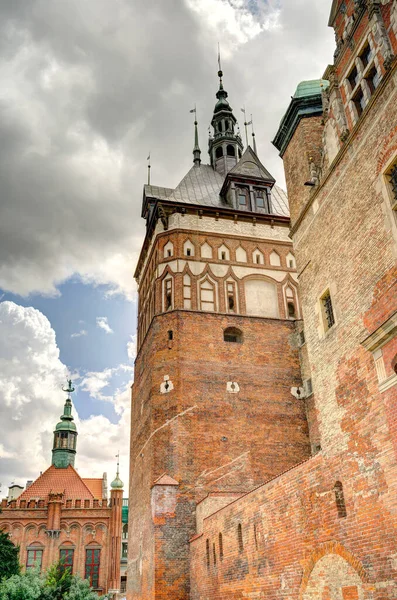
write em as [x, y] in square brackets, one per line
[34, 557]
[168, 294]
[207, 295]
[258, 257]
[168, 249]
[232, 334]
[240, 538]
[340, 500]
[219, 152]
[92, 564]
[327, 310]
[392, 179]
[223, 253]
[188, 248]
[291, 311]
[220, 546]
[231, 303]
[230, 150]
[66, 559]
[187, 291]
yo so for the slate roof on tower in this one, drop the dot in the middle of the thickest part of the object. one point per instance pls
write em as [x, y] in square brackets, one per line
[202, 186]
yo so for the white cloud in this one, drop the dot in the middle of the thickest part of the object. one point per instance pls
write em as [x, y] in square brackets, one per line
[80, 110]
[80, 333]
[102, 323]
[31, 402]
[131, 347]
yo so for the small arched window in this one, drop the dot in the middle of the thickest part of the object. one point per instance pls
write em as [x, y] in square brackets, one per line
[230, 150]
[232, 334]
[220, 126]
[219, 152]
[340, 500]
[240, 538]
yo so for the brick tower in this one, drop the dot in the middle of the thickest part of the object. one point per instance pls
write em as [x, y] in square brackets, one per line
[215, 409]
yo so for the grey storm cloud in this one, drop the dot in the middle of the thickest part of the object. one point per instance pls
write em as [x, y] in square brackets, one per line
[88, 88]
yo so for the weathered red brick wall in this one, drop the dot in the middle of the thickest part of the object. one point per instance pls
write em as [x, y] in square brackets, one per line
[203, 436]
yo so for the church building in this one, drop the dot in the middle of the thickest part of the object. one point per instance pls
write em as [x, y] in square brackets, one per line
[264, 423]
[64, 517]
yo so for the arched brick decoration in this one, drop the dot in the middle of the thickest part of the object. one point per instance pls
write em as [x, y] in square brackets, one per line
[332, 547]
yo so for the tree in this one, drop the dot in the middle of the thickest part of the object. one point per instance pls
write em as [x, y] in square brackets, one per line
[57, 582]
[25, 586]
[9, 562]
[80, 590]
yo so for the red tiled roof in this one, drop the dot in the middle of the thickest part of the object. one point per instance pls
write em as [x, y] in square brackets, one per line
[95, 486]
[58, 480]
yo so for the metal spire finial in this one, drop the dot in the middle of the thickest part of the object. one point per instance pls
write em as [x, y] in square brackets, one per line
[196, 148]
[246, 123]
[148, 169]
[253, 136]
[220, 73]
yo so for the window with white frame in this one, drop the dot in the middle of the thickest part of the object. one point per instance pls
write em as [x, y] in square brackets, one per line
[362, 80]
[207, 295]
[187, 291]
[168, 300]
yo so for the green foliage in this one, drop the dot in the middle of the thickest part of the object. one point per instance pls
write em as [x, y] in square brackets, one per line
[56, 584]
[9, 563]
[25, 586]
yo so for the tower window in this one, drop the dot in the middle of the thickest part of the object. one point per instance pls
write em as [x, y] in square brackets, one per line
[230, 150]
[291, 310]
[219, 152]
[92, 563]
[170, 335]
[168, 294]
[240, 538]
[340, 500]
[220, 126]
[231, 296]
[223, 255]
[328, 311]
[169, 253]
[232, 334]
[188, 252]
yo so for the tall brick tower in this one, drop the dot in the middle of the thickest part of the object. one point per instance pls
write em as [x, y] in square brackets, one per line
[214, 405]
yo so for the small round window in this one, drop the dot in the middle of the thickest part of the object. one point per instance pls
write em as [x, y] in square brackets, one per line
[232, 334]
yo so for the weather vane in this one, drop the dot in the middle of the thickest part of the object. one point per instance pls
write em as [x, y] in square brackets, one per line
[69, 389]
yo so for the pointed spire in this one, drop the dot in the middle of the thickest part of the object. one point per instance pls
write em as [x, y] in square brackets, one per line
[196, 148]
[253, 136]
[117, 484]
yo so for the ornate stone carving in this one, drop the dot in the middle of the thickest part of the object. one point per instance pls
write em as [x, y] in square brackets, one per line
[379, 32]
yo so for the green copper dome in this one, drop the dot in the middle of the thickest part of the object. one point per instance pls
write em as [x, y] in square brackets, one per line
[65, 435]
[117, 484]
[311, 88]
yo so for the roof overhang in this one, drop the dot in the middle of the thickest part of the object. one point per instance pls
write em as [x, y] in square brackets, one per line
[299, 108]
[334, 12]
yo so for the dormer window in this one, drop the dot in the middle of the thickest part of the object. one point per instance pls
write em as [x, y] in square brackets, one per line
[242, 198]
[262, 199]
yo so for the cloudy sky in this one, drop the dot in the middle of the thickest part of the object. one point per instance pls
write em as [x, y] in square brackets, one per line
[89, 87]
